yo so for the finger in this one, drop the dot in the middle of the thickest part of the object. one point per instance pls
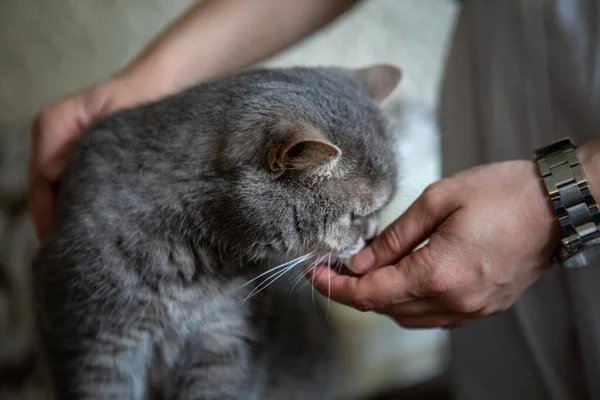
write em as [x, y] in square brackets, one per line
[444, 321]
[41, 197]
[54, 138]
[54, 135]
[459, 324]
[410, 229]
[426, 307]
[417, 307]
[378, 289]
[338, 287]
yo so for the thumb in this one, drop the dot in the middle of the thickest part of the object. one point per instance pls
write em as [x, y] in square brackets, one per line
[413, 227]
[55, 131]
[381, 288]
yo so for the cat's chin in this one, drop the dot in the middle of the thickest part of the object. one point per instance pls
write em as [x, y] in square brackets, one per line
[349, 253]
[346, 255]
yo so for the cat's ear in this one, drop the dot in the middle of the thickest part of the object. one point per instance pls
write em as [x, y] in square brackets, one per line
[380, 80]
[302, 149]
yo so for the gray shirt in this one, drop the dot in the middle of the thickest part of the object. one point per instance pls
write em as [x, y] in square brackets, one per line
[520, 74]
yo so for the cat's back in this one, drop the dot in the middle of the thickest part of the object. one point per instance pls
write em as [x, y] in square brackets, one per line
[195, 122]
[137, 156]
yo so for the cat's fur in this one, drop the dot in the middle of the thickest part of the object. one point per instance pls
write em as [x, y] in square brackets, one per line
[167, 209]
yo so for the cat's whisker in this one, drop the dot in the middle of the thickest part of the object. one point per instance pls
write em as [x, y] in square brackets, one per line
[304, 272]
[264, 284]
[341, 265]
[312, 291]
[312, 267]
[328, 284]
[267, 282]
[297, 280]
[300, 274]
[278, 267]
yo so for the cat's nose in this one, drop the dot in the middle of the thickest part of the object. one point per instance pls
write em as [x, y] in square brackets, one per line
[370, 228]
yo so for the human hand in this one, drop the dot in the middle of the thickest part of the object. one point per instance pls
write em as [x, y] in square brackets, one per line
[57, 127]
[491, 233]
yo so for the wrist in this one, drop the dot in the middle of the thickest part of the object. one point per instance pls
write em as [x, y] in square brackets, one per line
[133, 85]
[547, 219]
[141, 82]
[569, 177]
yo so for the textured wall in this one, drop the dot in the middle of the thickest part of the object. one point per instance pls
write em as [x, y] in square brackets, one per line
[50, 47]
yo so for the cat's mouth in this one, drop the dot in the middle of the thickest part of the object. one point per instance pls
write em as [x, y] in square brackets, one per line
[339, 265]
[337, 262]
[334, 262]
[347, 254]
[341, 258]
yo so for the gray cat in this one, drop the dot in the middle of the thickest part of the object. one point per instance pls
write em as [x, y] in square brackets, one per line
[168, 212]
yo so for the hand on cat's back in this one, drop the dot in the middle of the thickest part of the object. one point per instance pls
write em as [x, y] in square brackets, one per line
[491, 234]
[57, 127]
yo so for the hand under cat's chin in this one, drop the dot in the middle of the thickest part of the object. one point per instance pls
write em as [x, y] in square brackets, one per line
[478, 259]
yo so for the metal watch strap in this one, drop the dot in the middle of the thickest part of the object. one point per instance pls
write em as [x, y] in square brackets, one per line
[578, 212]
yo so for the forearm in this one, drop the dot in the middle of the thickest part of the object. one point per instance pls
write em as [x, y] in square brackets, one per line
[218, 37]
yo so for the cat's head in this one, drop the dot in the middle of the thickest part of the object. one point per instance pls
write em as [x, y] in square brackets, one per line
[311, 162]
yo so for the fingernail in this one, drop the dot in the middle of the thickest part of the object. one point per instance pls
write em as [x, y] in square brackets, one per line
[364, 260]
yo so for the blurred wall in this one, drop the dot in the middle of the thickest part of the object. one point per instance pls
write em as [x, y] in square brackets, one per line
[51, 47]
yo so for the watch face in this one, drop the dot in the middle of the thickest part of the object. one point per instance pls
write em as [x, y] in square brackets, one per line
[585, 257]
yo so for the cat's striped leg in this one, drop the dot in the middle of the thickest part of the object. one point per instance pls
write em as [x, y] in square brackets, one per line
[105, 365]
[214, 367]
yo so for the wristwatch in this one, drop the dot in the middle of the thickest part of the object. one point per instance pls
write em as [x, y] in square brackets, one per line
[577, 211]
